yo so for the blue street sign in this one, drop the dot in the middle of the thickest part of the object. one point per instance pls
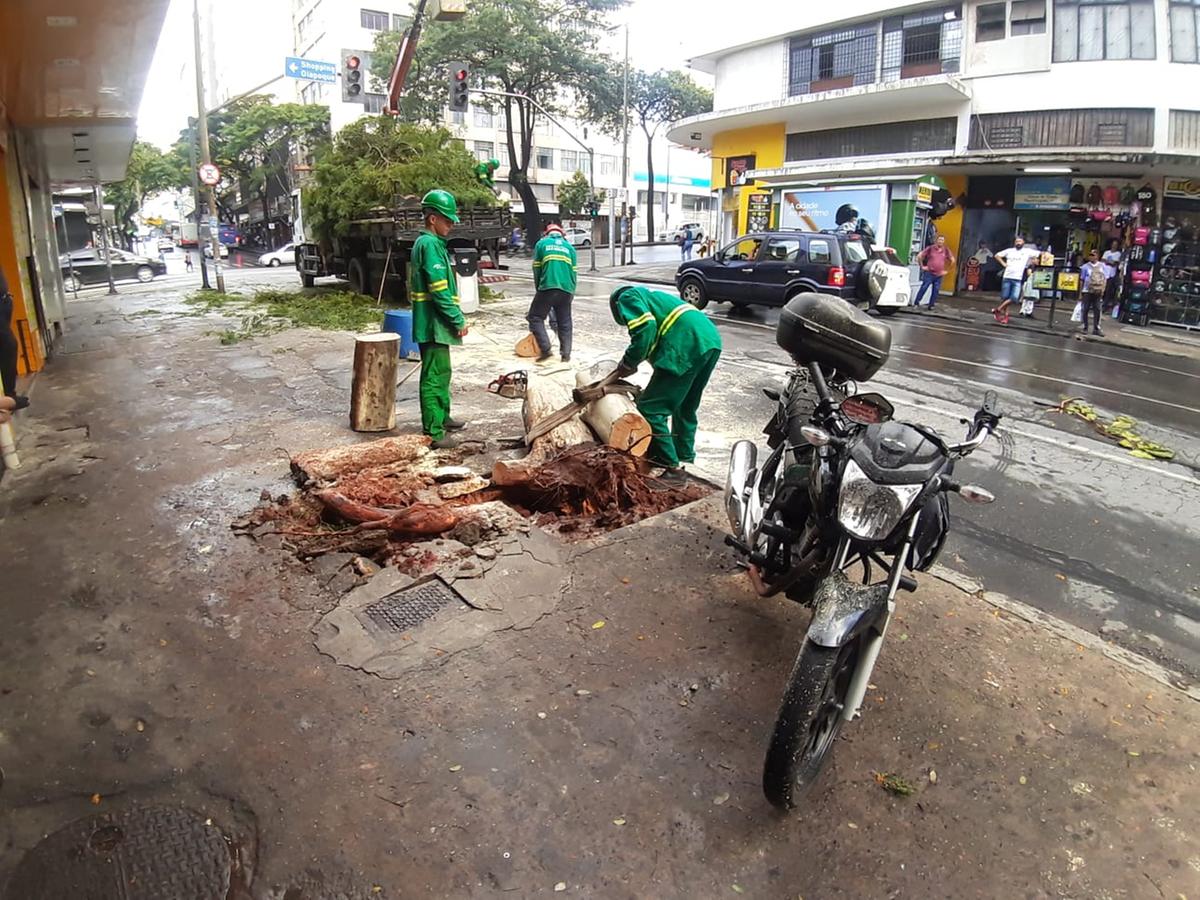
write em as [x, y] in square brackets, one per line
[310, 70]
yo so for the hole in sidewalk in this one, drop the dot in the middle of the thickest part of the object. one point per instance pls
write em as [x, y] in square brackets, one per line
[394, 501]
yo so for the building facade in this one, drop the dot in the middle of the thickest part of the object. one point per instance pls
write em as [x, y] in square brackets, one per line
[1074, 122]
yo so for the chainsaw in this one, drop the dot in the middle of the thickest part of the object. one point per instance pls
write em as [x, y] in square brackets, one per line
[581, 397]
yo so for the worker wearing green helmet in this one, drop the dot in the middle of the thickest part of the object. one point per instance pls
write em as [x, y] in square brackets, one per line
[437, 320]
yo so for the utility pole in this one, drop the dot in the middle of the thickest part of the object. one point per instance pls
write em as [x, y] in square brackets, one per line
[625, 149]
[205, 155]
[99, 194]
[196, 203]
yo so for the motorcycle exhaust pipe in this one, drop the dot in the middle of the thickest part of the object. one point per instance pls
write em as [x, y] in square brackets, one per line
[742, 459]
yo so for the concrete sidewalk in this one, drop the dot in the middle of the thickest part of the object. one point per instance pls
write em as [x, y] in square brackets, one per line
[610, 746]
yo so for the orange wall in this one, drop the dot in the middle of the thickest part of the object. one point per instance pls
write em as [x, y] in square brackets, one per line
[30, 356]
[951, 226]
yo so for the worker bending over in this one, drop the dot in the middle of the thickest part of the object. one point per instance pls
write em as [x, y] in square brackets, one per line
[437, 320]
[683, 347]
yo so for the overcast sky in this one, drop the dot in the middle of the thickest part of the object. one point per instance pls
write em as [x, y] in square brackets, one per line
[662, 34]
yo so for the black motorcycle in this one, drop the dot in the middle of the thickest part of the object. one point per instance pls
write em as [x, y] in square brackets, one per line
[845, 503]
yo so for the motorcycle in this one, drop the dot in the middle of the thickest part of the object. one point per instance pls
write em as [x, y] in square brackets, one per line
[846, 503]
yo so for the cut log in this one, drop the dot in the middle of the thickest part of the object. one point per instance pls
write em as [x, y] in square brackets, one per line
[373, 391]
[527, 347]
[543, 396]
[330, 464]
[615, 417]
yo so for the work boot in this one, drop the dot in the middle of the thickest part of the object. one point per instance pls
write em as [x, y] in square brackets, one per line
[453, 424]
[544, 358]
[566, 357]
[674, 476]
[446, 442]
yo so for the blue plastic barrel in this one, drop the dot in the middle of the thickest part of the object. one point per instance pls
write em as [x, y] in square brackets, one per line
[399, 321]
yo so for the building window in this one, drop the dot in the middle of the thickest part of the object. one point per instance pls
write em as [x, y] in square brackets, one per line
[502, 156]
[568, 160]
[1064, 128]
[400, 23]
[303, 25]
[695, 203]
[543, 158]
[925, 135]
[482, 117]
[484, 150]
[608, 164]
[990, 21]
[373, 20]
[1184, 130]
[373, 103]
[1185, 31]
[456, 117]
[832, 59]
[1028, 17]
[1103, 29]
[922, 43]
[585, 164]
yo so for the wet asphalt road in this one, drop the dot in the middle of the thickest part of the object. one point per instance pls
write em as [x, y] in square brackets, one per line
[1080, 529]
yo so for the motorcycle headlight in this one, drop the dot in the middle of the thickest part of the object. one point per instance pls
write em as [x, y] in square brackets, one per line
[868, 510]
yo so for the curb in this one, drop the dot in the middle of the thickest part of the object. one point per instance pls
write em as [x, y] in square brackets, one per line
[1127, 658]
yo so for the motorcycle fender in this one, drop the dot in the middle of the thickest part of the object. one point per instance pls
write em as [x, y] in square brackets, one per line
[843, 610]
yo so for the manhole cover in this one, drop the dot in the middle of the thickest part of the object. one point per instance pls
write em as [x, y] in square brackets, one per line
[406, 609]
[148, 853]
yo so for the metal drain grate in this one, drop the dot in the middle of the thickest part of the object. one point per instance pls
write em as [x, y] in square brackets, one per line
[406, 609]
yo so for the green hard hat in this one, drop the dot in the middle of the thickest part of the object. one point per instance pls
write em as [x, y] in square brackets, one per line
[441, 201]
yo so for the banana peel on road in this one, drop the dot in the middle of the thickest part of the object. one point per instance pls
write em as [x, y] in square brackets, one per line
[1122, 429]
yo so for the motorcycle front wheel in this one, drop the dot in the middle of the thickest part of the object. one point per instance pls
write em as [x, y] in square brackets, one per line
[809, 720]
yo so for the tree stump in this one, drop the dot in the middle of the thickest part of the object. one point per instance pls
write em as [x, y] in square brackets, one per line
[615, 417]
[373, 392]
[543, 396]
[527, 347]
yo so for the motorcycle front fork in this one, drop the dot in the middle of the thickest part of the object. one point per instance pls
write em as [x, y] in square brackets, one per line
[873, 638]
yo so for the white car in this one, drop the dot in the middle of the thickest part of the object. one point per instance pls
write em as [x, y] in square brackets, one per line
[166, 245]
[676, 236]
[579, 237]
[208, 251]
[284, 256]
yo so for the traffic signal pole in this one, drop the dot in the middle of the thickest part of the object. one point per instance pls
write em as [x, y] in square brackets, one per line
[205, 155]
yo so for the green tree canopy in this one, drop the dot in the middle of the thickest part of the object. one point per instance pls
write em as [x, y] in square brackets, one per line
[149, 171]
[257, 141]
[543, 49]
[574, 193]
[655, 99]
[377, 158]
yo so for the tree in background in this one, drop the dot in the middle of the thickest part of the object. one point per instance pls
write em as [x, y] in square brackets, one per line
[655, 99]
[377, 158]
[574, 193]
[149, 171]
[543, 49]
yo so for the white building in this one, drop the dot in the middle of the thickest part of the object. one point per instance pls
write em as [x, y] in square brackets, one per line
[981, 96]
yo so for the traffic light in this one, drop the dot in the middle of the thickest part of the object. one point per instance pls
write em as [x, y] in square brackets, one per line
[352, 79]
[459, 75]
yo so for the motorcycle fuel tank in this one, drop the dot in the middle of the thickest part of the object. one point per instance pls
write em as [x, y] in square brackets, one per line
[829, 331]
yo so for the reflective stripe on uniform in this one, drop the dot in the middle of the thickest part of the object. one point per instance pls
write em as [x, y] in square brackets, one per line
[559, 258]
[440, 285]
[669, 321]
[418, 296]
[641, 320]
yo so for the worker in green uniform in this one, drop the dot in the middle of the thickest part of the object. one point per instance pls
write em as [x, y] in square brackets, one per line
[437, 320]
[554, 280]
[683, 346]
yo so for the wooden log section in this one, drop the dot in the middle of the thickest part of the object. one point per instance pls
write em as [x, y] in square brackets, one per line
[615, 417]
[373, 391]
[543, 396]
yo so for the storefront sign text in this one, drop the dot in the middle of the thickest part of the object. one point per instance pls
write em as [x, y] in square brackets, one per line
[758, 212]
[1182, 187]
[1042, 193]
[736, 168]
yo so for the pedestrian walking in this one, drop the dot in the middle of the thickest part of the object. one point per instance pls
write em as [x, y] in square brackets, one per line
[935, 261]
[554, 280]
[683, 346]
[187, 261]
[1016, 261]
[685, 244]
[8, 348]
[437, 321]
[1095, 274]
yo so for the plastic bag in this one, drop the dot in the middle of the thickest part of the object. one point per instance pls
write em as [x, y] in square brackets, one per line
[1027, 306]
[1116, 313]
[1077, 315]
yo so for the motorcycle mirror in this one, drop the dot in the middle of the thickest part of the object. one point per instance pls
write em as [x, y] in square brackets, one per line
[818, 437]
[973, 493]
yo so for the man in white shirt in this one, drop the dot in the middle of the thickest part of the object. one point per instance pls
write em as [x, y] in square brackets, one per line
[1016, 259]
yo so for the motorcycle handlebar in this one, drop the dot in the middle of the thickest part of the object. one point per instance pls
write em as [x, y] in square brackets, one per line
[986, 419]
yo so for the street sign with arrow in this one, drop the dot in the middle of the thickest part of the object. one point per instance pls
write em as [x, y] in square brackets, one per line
[310, 69]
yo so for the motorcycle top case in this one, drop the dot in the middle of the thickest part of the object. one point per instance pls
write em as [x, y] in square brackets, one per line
[829, 331]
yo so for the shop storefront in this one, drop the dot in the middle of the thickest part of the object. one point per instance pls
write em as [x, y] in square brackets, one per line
[1175, 247]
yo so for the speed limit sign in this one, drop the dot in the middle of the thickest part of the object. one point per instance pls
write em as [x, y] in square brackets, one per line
[209, 174]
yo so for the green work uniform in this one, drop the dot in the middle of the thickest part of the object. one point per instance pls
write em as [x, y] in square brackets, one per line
[683, 347]
[554, 264]
[437, 320]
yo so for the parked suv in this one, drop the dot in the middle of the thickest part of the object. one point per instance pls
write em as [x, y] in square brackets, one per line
[768, 268]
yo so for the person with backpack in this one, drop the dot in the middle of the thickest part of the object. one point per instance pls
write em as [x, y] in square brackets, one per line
[685, 244]
[1095, 275]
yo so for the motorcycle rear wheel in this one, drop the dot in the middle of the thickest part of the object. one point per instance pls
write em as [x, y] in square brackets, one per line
[809, 721]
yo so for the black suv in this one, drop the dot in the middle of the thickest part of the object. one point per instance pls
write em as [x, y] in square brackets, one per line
[767, 268]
